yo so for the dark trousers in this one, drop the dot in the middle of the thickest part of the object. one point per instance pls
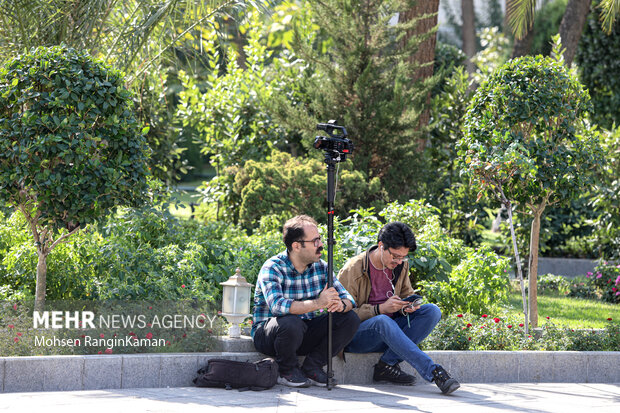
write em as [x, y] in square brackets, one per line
[289, 336]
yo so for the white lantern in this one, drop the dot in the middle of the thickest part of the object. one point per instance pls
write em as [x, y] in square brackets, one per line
[236, 302]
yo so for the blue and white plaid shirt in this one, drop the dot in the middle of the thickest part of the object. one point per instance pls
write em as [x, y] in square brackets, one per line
[279, 284]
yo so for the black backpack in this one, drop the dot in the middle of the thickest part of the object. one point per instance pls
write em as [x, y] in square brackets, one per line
[242, 375]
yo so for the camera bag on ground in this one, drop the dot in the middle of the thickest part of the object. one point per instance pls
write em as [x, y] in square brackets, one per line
[242, 375]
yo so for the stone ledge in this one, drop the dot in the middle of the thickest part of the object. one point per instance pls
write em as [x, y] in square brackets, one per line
[90, 372]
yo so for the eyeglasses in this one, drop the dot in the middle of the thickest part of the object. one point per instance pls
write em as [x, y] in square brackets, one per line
[316, 241]
[403, 258]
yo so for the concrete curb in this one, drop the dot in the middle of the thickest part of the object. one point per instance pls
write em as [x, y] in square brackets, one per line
[91, 372]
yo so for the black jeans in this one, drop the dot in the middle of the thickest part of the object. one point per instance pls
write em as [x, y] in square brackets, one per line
[289, 336]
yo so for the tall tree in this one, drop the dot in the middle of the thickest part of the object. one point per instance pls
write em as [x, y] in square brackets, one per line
[422, 18]
[526, 140]
[571, 27]
[469, 33]
[367, 80]
[71, 149]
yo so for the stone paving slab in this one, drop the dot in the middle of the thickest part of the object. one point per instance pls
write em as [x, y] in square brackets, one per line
[530, 397]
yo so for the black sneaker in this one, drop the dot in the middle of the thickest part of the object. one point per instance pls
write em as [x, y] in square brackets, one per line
[443, 380]
[317, 376]
[392, 374]
[294, 378]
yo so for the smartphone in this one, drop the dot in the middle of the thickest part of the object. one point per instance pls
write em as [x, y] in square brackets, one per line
[414, 299]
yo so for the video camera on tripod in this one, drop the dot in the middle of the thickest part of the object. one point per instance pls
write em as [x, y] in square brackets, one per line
[337, 143]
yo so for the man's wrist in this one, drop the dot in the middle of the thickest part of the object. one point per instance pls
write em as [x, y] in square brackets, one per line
[344, 305]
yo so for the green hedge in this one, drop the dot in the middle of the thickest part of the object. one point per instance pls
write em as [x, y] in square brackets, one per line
[147, 255]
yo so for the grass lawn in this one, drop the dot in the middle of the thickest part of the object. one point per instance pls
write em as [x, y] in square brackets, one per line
[569, 312]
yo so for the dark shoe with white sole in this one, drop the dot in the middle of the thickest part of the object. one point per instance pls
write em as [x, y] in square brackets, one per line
[392, 374]
[443, 380]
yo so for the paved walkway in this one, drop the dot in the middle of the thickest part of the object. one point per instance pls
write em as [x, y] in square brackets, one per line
[522, 397]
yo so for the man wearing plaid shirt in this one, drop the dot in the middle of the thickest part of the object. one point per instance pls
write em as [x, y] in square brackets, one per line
[291, 305]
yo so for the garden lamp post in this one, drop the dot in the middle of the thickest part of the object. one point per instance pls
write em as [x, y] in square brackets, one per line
[236, 302]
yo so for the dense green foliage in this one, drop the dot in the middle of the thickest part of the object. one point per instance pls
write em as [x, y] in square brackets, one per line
[606, 199]
[153, 256]
[524, 134]
[599, 69]
[365, 79]
[139, 256]
[70, 146]
[230, 113]
[282, 186]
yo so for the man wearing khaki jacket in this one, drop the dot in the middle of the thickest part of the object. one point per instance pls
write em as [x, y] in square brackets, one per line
[378, 280]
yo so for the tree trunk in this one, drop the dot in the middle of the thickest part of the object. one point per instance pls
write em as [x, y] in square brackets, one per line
[571, 27]
[469, 33]
[39, 303]
[426, 52]
[508, 206]
[523, 46]
[533, 266]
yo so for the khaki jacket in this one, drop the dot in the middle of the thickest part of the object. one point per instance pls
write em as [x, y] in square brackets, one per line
[355, 277]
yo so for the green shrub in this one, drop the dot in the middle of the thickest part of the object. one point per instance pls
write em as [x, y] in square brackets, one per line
[477, 284]
[489, 332]
[606, 279]
[285, 186]
[553, 283]
[582, 287]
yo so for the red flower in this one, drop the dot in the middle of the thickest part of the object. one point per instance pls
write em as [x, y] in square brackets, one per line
[83, 335]
[19, 334]
[496, 320]
[149, 324]
[150, 307]
[99, 352]
[201, 321]
[16, 339]
[547, 317]
[460, 315]
[469, 324]
[484, 316]
[102, 335]
[182, 285]
[609, 319]
[469, 339]
[108, 351]
[15, 307]
[520, 324]
[509, 326]
[149, 335]
[210, 331]
[184, 335]
[11, 326]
